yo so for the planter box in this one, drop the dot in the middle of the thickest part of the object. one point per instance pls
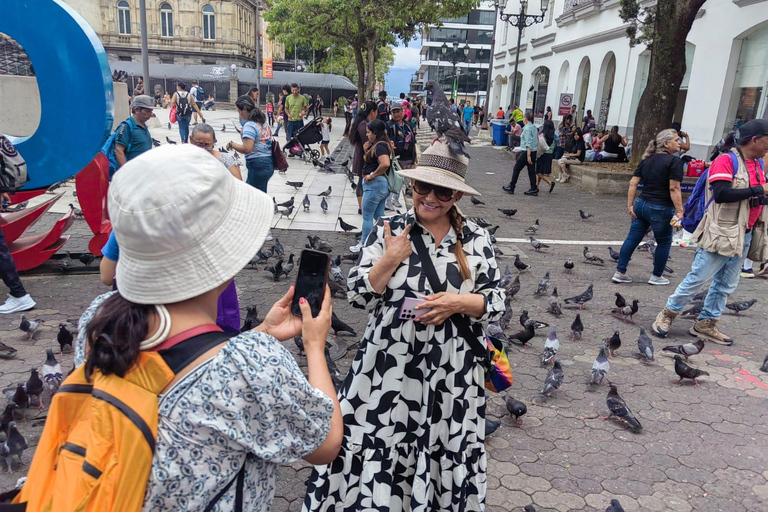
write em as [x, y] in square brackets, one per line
[599, 181]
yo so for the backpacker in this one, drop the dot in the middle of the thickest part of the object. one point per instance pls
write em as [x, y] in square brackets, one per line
[96, 450]
[200, 95]
[183, 108]
[13, 168]
[109, 146]
[696, 205]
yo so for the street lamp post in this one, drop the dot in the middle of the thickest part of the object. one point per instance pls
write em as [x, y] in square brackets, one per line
[477, 80]
[520, 21]
[454, 57]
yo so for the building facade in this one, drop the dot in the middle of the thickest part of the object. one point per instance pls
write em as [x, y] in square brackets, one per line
[209, 32]
[470, 75]
[582, 48]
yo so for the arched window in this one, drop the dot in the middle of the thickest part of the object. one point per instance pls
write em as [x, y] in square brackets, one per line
[123, 18]
[209, 23]
[166, 20]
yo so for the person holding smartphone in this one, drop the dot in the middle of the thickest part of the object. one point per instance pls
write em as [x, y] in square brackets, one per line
[414, 395]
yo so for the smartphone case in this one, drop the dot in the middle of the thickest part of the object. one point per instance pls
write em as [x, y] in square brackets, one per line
[407, 311]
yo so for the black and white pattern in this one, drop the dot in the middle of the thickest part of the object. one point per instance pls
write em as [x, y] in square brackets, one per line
[413, 402]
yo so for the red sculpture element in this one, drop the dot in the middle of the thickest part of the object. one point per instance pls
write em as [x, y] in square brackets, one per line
[32, 251]
[92, 184]
[25, 195]
[14, 224]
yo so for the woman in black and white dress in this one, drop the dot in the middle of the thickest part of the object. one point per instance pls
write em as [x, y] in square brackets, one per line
[414, 400]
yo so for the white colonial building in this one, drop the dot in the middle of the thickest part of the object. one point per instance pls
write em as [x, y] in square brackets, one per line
[582, 48]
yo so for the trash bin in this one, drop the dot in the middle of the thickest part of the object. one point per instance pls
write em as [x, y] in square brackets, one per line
[500, 138]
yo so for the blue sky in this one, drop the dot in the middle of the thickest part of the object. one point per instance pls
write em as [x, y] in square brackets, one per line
[406, 63]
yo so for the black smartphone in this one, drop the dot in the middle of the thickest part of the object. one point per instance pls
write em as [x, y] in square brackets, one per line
[311, 280]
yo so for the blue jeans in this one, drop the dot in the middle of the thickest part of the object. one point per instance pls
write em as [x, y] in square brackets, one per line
[293, 127]
[375, 196]
[723, 271]
[184, 127]
[277, 130]
[656, 217]
[259, 172]
[467, 125]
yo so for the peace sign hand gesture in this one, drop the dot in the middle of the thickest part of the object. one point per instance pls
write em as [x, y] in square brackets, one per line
[397, 248]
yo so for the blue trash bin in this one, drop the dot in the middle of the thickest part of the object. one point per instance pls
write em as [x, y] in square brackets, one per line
[500, 137]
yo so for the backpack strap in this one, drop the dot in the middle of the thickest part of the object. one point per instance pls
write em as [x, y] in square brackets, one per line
[182, 354]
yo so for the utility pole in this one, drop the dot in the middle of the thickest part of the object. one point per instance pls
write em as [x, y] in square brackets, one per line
[144, 46]
[258, 46]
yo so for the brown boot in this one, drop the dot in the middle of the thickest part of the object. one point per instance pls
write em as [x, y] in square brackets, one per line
[663, 320]
[707, 328]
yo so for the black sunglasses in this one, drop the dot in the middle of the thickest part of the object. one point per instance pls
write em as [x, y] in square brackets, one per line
[441, 193]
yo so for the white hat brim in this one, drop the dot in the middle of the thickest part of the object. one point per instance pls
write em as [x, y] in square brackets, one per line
[438, 177]
[216, 259]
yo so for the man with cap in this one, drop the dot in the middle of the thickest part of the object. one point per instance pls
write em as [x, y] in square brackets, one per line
[133, 136]
[733, 227]
[401, 134]
[382, 106]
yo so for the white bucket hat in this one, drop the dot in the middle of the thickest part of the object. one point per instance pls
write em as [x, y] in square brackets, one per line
[440, 166]
[183, 223]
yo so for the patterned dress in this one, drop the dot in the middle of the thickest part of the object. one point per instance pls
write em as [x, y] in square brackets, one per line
[413, 402]
[249, 404]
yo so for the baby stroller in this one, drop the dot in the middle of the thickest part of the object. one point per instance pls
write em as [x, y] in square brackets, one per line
[310, 133]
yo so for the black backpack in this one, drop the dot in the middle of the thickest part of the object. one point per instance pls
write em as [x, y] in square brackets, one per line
[183, 108]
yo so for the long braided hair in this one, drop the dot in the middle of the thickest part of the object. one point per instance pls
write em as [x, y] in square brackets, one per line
[457, 223]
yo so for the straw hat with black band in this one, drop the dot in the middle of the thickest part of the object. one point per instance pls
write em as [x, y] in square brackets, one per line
[440, 166]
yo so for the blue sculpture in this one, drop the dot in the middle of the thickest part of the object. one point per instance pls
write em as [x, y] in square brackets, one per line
[67, 56]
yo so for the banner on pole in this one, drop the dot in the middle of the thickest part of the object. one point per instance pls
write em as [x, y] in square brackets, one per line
[266, 65]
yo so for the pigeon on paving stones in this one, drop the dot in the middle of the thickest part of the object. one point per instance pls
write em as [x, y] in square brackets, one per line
[600, 368]
[621, 302]
[613, 343]
[613, 254]
[319, 244]
[551, 346]
[295, 184]
[77, 212]
[491, 426]
[532, 230]
[299, 341]
[582, 298]
[337, 289]
[537, 246]
[87, 258]
[492, 231]
[615, 506]
[519, 265]
[480, 221]
[524, 336]
[685, 371]
[693, 310]
[324, 205]
[543, 285]
[496, 331]
[336, 273]
[555, 306]
[553, 380]
[514, 288]
[52, 374]
[509, 212]
[577, 328]
[591, 258]
[7, 416]
[506, 317]
[536, 324]
[29, 327]
[248, 323]
[627, 311]
[169, 141]
[529, 508]
[645, 345]
[286, 204]
[568, 265]
[327, 193]
[7, 352]
[618, 407]
[305, 203]
[763, 368]
[338, 326]
[445, 120]
[350, 257]
[476, 201]
[687, 350]
[346, 227]
[278, 247]
[739, 306]
[14, 446]
[516, 408]
[65, 338]
[20, 397]
[289, 265]
[276, 270]
[506, 278]
[701, 295]
[287, 212]
[584, 215]
[35, 387]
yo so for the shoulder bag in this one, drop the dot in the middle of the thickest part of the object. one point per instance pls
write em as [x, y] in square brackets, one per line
[395, 182]
[278, 157]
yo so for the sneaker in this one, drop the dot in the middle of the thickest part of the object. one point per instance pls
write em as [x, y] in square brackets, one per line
[269, 237]
[531, 192]
[618, 277]
[707, 328]
[356, 248]
[17, 304]
[396, 203]
[747, 273]
[508, 189]
[663, 320]
[763, 271]
[658, 280]
[388, 207]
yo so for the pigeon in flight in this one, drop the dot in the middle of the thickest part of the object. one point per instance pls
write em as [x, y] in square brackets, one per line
[444, 120]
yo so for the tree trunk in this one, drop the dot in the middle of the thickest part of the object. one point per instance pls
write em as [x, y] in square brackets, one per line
[656, 108]
[370, 78]
[360, 62]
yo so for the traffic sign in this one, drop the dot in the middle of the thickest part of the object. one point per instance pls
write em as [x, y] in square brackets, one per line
[564, 108]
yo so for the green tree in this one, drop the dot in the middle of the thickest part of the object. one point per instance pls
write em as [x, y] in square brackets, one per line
[663, 28]
[342, 62]
[365, 27]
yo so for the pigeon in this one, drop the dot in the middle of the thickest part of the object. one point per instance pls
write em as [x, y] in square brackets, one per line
[532, 230]
[223, 128]
[324, 205]
[327, 193]
[693, 310]
[77, 212]
[276, 270]
[618, 407]
[668, 269]
[514, 288]
[516, 408]
[278, 248]
[7, 416]
[554, 379]
[299, 341]
[480, 221]
[305, 203]
[645, 345]
[444, 120]
[687, 350]
[508, 212]
[156, 143]
[34, 387]
[506, 278]
[14, 445]
[568, 265]
[29, 327]
[600, 368]
[286, 212]
[506, 317]
[529, 508]
[555, 306]
[65, 338]
[613, 254]
[615, 506]
[613, 343]
[551, 346]
[537, 246]
[492, 232]
[491, 426]
[582, 298]
[476, 201]
[496, 331]
[250, 319]
[687, 372]
[338, 326]
[289, 265]
[543, 286]
[337, 289]
[621, 302]
[287, 204]
[295, 184]
[524, 336]
[52, 375]
[20, 397]
[700, 296]
[577, 328]
[534, 323]
[584, 215]
[169, 141]
[7, 352]
[627, 311]
[169, 126]
[336, 376]
[346, 227]
[763, 368]
[320, 245]
[350, 257]
[591, 258]
[519, 265]
[738, 307]
[336, 273]
[316, 162]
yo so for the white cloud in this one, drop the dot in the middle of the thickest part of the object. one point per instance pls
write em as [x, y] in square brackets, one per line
[406, 58]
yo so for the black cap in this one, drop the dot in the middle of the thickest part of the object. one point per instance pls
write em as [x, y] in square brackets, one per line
[754, 128]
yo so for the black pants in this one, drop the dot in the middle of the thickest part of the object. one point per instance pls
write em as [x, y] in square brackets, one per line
[8, 270]
[522, 160]
[348, 120]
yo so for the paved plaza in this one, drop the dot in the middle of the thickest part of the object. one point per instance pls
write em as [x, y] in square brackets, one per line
[702, 449]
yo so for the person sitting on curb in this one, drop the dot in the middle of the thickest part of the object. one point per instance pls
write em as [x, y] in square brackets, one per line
[725, 235]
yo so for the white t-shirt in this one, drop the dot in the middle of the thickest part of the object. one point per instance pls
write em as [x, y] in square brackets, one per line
[193, 94]
[325, 131]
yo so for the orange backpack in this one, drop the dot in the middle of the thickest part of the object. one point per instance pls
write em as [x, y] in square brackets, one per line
[96, 450]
